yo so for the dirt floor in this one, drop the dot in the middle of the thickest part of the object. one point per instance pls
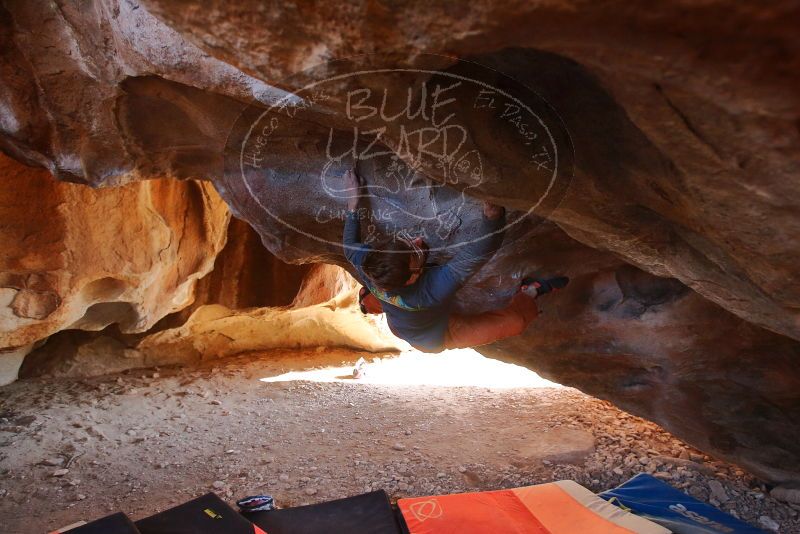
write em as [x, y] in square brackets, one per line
[296, 426]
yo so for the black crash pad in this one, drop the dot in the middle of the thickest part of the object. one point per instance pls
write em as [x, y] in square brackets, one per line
[205, 515]
[370, 513]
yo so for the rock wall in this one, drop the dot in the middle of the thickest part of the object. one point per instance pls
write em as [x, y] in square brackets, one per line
[680, 224]
[324, 313]
[655, 347]
[245, 275]
[77, 258]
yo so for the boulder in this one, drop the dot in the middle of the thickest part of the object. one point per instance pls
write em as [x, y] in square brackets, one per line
[78, 258]
[214, 331]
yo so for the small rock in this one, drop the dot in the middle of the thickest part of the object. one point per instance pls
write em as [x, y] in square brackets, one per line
[218, 484]
[96, 432]
[53, 462]
[462, 469]
[25, 420]
[80, 497]
[769, 523]
[283, 477]
[311, 491]
[790, 494]
[618, 471]
[399, 447]
[216, 402]
[60, 472]
[717, 491]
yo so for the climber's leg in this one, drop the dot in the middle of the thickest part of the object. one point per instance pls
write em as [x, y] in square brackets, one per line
[474, 330]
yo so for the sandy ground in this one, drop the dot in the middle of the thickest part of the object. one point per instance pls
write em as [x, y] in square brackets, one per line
[292, 424]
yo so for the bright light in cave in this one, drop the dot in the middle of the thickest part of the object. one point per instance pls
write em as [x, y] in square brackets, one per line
[451, 368]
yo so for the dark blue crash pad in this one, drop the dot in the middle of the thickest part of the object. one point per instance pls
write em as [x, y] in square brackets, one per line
[649, 497]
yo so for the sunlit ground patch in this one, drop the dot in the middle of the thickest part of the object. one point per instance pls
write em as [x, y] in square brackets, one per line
[452, 368]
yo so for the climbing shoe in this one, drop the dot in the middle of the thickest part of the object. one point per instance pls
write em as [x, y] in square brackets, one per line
[541, 286]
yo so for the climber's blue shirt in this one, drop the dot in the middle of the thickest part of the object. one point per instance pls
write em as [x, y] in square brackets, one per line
[419, 313]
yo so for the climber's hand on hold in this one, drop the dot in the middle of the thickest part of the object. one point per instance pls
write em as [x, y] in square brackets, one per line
[541, 286]
[352, 184]
[492, 211]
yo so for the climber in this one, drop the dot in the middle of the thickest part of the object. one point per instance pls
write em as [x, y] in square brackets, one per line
[417, 297]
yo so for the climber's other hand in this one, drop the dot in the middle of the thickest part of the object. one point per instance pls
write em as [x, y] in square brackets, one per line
[492, 211]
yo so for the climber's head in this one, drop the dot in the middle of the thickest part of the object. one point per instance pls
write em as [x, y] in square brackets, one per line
[392, 264]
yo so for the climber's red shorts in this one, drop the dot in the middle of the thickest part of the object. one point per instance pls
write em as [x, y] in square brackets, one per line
[475, 330]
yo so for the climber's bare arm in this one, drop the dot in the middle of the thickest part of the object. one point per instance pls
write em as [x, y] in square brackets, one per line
[353, 184]
[351, 238]
[492, 211]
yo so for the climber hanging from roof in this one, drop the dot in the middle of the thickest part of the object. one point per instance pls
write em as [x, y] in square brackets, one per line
[417, 298]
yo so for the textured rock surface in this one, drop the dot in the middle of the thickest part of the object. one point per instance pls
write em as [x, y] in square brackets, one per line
[79, 258]
[687, 147]
[654, 346]
[245, 275]
[684, 125]
[215, 331]
[323, 314]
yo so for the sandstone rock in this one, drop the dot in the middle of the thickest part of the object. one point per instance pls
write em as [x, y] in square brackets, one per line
[246, 275]
[217, 331]
[649, 139]
[84, 259]
[666, 139]
[718, 491]
[79, 354]
[788, 493]
[647, 342]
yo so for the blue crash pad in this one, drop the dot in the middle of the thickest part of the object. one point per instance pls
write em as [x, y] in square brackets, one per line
[649, 497]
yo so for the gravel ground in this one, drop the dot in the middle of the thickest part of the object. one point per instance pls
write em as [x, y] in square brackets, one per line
[142, 441]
